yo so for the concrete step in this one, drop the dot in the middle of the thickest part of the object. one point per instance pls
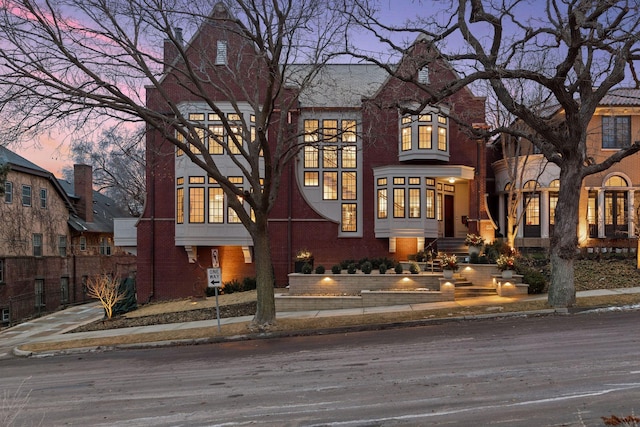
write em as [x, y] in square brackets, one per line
[473, 291]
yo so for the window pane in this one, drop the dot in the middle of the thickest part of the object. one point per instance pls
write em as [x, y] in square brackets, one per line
[43, 198]
[311, 131]
[216, 205]
[196, 205]
[424, 136]
[349, 217]
[330, 130]
[330, 157]
[406, 138]
[330, 185]
[398, 202]
[431, 204]
[616, 131]
[37, 245]
[8, 192]
[349, 186]
[180, 205]
[532, 210]
[235, 140]
[349, 159]
[221, 52]
[442, 139]
[232, 216]
[216, 139]
[311, 157]
[311, 179]
[414, 203]
[26, 195]
[382, 203]
[349, 131]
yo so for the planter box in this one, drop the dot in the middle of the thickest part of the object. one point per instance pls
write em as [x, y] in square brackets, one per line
[353, 284]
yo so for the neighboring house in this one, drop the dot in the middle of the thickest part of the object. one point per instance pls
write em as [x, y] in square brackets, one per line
[54, 235]
[609, 207]
[387, 184]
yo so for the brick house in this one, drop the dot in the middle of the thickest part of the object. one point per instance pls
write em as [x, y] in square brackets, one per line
[609, 210]
[382, 182]
[54, 235]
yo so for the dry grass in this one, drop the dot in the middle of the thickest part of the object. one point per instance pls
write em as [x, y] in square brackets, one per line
[323, 323]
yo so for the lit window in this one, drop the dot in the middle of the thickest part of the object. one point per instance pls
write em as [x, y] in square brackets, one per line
[532, 209]
[196, 205]
[349, 217]
[330, 130]
[311, 179]
[382, 181]
[330, 156]
[349, 157]
[180, 138]
[439, 207]
[235, 140]
[424, 118]
[414, 203]
[349, 186]
[196, 117]
[424, 136]
[8, 192]
[398, 202]
[442, 120]
[382, 203]
[232, 216]
[26, 195]
[43, 198]
[414, 180]
[37, 244]
[442, 139]
[431, 203]
[196, 180]
[406, 138]
[216, 205]
[233, 117]
[221, 52]
[180, 205]
[216, 139]
[330, 185]
[349, 131]
[310, 157]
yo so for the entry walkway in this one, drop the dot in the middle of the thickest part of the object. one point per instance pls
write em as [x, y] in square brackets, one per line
[53, 327]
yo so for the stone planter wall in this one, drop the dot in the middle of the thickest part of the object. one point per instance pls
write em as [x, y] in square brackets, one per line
[353, 284]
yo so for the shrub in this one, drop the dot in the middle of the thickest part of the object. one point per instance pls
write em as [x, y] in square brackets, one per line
[535, 280]
[414, 268]
[345, 264]
[474, 259]
[496, 248]
[231, 287]
[248, 284]
[398, 268]
[366, 267]
[320, 269]
[336, 269]
[307, 268]
[382, 268]
[351, 268]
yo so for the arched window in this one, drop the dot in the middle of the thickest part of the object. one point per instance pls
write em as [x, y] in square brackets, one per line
[531, 208]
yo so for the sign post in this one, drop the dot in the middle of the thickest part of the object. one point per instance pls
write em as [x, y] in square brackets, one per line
[215, 281]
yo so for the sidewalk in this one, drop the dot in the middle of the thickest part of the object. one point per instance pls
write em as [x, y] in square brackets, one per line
[52, 328]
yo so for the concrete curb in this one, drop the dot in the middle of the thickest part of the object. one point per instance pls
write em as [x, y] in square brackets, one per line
[17, 351]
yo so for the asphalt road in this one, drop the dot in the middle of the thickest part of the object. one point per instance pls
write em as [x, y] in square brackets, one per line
[544, 371]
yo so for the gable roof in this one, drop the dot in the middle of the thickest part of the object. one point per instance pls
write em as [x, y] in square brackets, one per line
[18, 163]
[621, 97]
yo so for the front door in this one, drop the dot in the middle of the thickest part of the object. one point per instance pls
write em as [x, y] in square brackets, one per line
[449, 218]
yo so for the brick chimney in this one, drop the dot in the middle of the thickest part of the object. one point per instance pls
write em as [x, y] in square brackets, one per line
[83, 189]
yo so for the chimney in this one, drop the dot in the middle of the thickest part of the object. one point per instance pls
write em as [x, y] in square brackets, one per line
[83, 189]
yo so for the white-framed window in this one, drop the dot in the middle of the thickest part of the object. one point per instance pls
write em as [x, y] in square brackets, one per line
[26, 195]
[6, 315]
[83, 243]
[43, 198]
[423, 136]
[37, 244]
[8, 192]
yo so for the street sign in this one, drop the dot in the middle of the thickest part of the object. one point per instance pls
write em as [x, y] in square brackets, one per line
[215, 263]
[215, 277]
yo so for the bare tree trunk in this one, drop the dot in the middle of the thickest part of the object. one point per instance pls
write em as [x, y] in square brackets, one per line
[562, 291]
[266, 311]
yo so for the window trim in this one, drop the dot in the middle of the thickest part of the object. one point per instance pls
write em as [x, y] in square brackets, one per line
[29, 196]
[37, 248]
[8, 192]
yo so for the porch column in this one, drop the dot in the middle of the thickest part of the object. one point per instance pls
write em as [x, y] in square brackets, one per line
[544, 214]
[630, 213]
[601, 232]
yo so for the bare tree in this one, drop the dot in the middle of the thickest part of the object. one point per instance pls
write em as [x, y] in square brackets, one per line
[572, 51]
[88, 60]
[118, 161]
[105, 289]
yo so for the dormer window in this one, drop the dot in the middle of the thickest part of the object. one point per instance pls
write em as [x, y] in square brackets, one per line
[424, 136]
